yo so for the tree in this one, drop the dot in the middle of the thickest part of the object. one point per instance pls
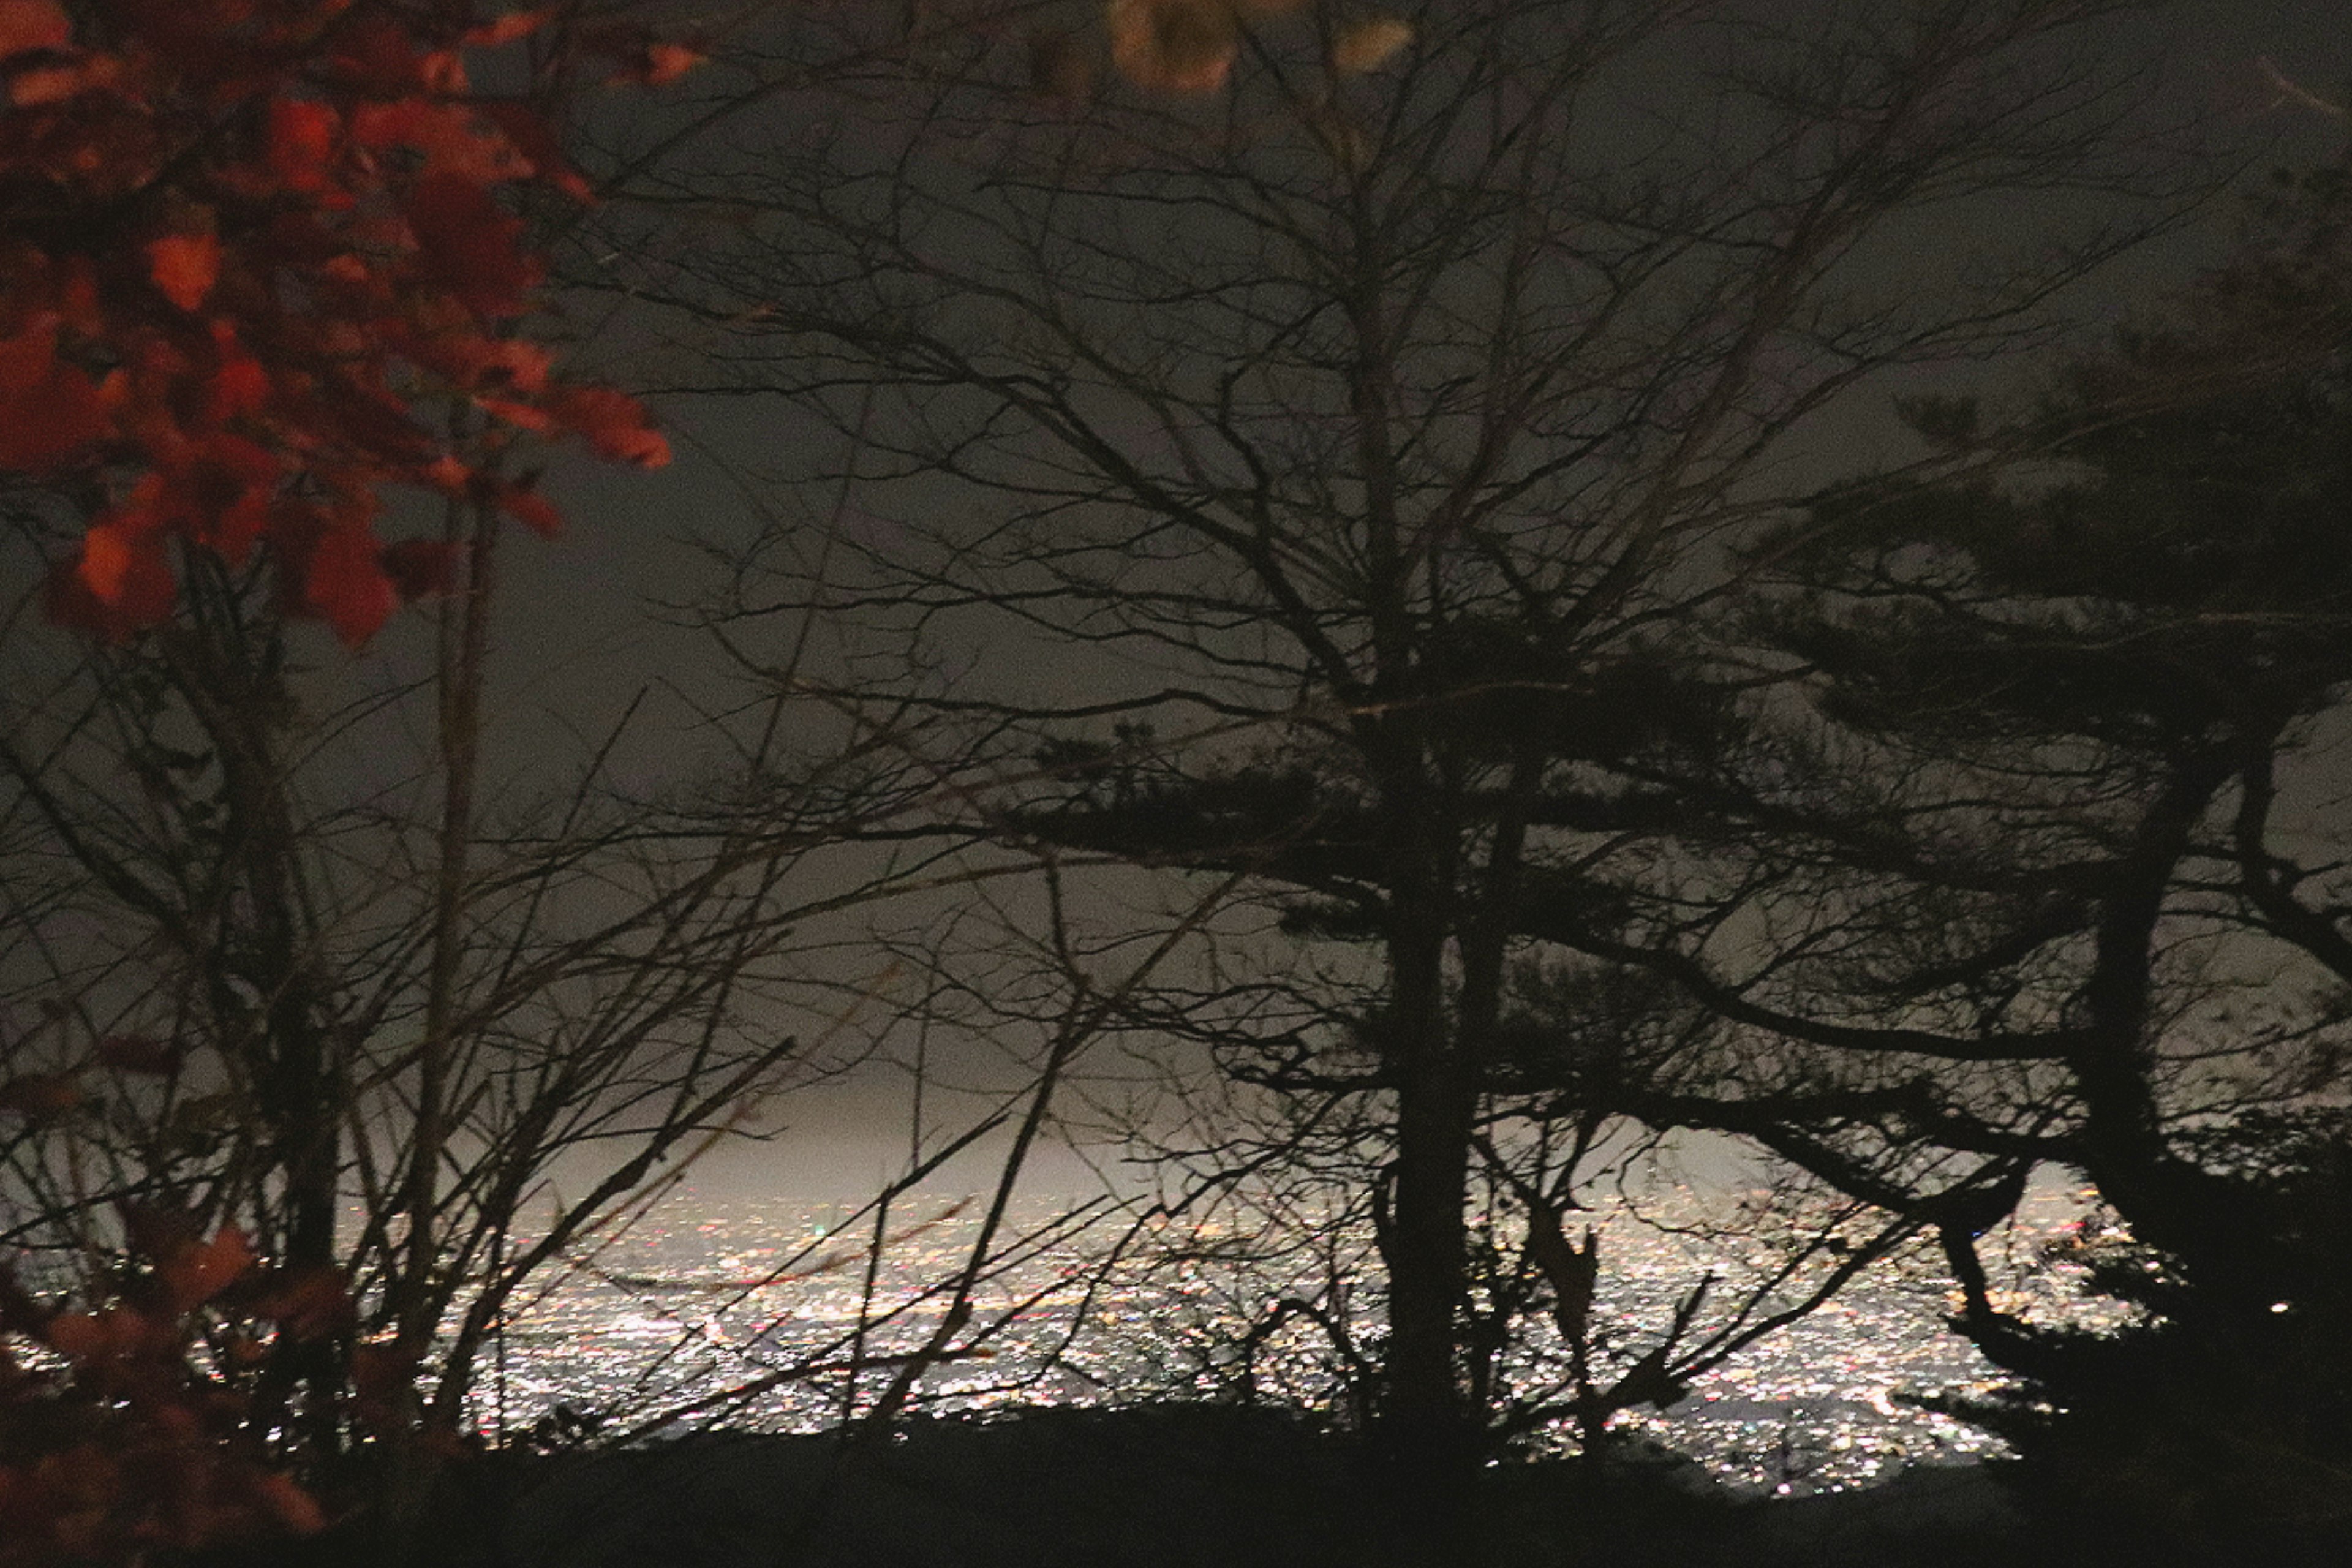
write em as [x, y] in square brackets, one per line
[2046, 873]
[249, 246]
[1362, 441]
[259, 267]
[289, 941]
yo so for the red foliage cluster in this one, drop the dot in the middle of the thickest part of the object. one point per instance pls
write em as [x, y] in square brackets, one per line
[245, 245]
[132, 1445]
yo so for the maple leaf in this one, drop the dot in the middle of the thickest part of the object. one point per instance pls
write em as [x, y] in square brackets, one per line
[531, 136]
[665, 63]
[197, 1274]
[420, 567]
[241, 385]
[527, 505]
[139, 1054]
[521, 415]
[1370, 44]
[381, 1374]
[301, 144]
[614, 425]
[292, 1507]
[40, 1096]
[467, 243]
[185, 267]
[1173, 45]
[308, 1302]
[505, 29]
[344, 581]
[122, 582]
[29, 24]
[454, 139]
[49, 411]
[356, 199]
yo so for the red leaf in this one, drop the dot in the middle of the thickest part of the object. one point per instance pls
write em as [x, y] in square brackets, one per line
[534, 140]
[121, 558]
[293, 1508]
[376, 55]
[201, 1272]
[78, 1335]
[613, 424]
[240, 386]
[455, 140]
[665, 63]
[49, 411]
[139, 1053]
[185, 267]
[40, 1096]
[505, 29]
[27, 24]
[468, 245]
[381, 1375]
[302, 143]
[308, 1303]
[527, 505]
[344, 582]
[521, 415]
[159, 1230]
[420, 567]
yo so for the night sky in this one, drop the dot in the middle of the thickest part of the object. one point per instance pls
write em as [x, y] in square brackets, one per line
[577, 641]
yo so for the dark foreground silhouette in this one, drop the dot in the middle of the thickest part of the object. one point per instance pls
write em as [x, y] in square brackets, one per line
[1178, 1486]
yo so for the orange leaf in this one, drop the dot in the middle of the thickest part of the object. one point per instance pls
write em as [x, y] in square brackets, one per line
[146, 598]
[505, 29]
[530, 507]
[614, 425]
[665, 63]
[185, 267]
[32, 24]
[1369, 46]
[1173, 45]
[30, 87]
[521, 415]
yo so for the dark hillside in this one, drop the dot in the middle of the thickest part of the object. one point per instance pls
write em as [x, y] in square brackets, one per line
[1156, 1487]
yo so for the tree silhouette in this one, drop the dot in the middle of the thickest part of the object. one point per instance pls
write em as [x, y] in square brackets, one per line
[2045, 872]
[1363, 441]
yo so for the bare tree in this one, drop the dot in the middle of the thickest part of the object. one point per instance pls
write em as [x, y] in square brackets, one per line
[281, 964]
[1362, 441]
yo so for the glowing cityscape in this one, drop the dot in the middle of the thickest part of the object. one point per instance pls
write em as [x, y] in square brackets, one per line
[747, 1312]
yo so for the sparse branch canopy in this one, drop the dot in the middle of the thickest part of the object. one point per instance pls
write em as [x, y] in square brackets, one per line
[1420, 398]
